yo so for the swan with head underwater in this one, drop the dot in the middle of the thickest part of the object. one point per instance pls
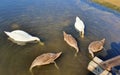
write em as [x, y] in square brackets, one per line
[79, 25]
[21, 37]
[96, 46]
[44, 59]
[70, 40]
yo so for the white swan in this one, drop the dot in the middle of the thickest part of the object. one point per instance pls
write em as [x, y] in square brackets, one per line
[79, 25]
[21, 37]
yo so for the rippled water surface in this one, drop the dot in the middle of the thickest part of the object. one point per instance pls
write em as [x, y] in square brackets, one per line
[47, 19]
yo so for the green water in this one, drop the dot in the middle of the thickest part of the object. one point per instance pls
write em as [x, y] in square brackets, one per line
[47, 19]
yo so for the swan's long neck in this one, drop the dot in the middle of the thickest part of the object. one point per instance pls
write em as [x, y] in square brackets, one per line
[77, 50]
[82, 33]
[35, 38]
[91, 53]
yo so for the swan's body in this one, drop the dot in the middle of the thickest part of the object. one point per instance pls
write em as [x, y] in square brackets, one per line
[79, 25]
[21, 37]
[71, 41]
[96, 46]
[45, 59]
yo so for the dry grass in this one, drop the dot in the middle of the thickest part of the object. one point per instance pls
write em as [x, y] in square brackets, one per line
[113, 4]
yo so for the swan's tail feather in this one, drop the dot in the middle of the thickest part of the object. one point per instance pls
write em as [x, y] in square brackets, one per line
[7, 33]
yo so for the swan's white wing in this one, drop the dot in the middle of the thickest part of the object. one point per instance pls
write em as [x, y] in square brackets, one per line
[79, 25]
[19, 35]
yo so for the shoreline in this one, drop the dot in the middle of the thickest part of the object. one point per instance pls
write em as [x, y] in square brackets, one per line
[112, 4]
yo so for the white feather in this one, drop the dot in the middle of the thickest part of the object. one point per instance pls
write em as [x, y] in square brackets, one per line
[79, 25]
[19, 35]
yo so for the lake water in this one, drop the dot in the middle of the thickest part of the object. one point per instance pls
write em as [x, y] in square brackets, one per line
[47, 19]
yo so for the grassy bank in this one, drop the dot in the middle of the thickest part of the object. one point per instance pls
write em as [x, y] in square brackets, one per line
[113, 4]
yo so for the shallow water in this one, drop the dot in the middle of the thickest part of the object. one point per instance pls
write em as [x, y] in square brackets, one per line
[47, 19]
